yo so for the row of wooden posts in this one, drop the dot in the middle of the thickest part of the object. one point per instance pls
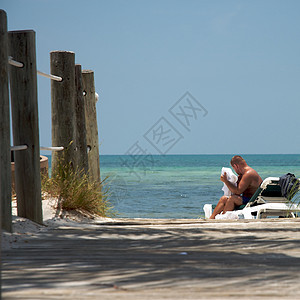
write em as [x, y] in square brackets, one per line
[74, 120]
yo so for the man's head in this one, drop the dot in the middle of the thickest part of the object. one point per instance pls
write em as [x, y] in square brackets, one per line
[238, 164]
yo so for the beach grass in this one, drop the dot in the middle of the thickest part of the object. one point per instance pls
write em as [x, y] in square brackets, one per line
[76, 191]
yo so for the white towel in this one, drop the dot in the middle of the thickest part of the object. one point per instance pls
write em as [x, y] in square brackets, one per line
[231, 177]
[229, 215]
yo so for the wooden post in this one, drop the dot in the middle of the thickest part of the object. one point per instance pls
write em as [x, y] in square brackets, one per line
[5, 169]
[24, 106]
[82, 156]
[63, 106]
[91, 124]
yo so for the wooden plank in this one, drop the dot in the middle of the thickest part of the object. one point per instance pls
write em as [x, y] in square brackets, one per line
[213, 259]
[82, 156]
[5, 168]
[91, 124]
[24, 104]
[63, 106]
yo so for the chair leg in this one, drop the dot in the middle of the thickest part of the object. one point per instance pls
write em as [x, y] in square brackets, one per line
[259, 213]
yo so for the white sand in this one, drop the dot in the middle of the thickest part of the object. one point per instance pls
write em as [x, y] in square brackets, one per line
[52, 217]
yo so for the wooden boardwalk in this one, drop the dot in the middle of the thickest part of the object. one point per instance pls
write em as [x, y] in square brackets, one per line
[157, 259]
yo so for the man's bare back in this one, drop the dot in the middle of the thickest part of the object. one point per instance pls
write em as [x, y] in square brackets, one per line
[253, 180]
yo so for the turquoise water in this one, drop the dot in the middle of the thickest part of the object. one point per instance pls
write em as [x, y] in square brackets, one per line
[177, 186]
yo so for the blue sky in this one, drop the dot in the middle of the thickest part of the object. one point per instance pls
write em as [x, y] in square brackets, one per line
[232, 67]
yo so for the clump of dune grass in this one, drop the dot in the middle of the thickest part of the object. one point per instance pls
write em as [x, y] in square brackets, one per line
[293, 197]
[75, 191]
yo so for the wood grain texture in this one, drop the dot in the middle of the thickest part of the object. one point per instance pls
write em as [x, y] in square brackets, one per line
[24, 105]
[91, 124]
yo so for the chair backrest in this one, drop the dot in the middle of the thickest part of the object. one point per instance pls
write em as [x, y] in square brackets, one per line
[269, 189]
[272, 190]
[256, 194]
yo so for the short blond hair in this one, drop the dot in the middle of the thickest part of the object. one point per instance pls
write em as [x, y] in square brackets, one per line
[237, 160]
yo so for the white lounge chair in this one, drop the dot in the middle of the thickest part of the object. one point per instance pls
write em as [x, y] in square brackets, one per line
[267, 201]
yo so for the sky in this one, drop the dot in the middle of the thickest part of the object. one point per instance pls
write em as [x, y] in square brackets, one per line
[175, 76]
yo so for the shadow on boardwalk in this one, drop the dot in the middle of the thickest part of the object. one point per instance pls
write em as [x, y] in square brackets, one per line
[183, 261]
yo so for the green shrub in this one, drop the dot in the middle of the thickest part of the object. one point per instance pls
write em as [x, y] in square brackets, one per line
[75, 191]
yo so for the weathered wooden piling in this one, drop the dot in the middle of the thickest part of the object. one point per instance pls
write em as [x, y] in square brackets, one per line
[63, 106]
[91, 124]
[24, 106]
[5, 170]
[82, 156]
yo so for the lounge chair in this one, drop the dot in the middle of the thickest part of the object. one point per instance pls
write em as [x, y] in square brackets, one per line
[267, 201]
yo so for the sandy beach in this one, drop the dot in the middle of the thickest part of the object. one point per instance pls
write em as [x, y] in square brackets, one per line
[79, 257]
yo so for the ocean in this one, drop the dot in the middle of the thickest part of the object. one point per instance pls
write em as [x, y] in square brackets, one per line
[177, 186]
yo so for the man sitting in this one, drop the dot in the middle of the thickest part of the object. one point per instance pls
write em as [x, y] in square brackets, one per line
[247, 184]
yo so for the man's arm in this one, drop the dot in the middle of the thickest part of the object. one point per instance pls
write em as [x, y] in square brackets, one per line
[242, 185]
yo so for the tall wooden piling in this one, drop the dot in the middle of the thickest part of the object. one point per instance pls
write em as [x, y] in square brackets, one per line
[24, 105]
[63, 106]
[5, 169]
[91, 124]
[82, 156]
